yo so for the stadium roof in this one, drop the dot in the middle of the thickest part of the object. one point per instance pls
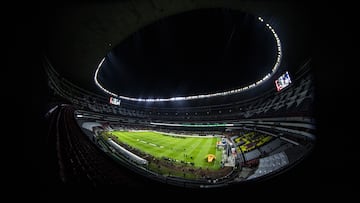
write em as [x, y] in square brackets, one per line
[79, 36]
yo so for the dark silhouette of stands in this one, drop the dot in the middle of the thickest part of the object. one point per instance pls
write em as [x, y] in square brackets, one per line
[295, 100]
[79, 161]
[287, 113]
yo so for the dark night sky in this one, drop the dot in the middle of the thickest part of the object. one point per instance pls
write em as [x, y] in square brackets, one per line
[197, 52]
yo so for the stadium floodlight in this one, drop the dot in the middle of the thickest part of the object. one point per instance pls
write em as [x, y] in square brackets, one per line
[192, 97]
[193, 125]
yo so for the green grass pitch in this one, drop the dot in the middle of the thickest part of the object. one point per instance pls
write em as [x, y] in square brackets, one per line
[188, 149]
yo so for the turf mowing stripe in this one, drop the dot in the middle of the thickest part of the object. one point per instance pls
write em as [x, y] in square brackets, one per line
[157, 139]
[131, 138]
[177, 151]
[166, 142]
[132, 141]
[195, 150]
[199, 155]
[173, 147]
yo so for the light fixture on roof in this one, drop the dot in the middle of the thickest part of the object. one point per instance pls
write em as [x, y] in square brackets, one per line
[225, 93]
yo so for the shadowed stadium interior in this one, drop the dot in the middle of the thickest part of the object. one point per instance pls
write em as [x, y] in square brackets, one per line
[240, 128]
[174, 95]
